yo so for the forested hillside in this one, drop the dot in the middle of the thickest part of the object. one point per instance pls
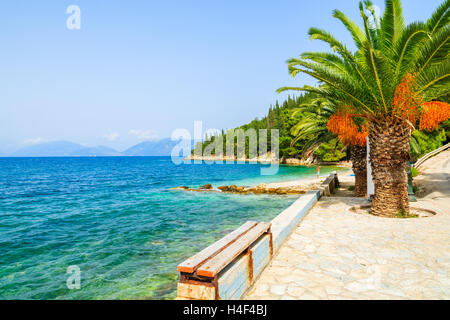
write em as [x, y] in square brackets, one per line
[287, 115]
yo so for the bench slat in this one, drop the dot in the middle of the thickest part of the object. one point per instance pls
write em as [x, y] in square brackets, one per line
[191, 264]
[213, 266]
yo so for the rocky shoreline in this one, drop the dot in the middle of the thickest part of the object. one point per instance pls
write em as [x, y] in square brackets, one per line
[259, 189]
[299, 186]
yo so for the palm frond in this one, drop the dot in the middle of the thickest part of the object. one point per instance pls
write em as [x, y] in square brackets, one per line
[335, 45]
[376, 62]
[406, 48]
[434, 82]
[392, 23]
[434, 50]
[352, 27]
[440, 18]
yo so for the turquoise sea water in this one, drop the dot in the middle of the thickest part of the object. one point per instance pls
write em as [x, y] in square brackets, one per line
[116, 219]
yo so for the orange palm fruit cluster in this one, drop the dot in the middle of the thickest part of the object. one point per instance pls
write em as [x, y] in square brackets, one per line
[433, 113]
[348, 132]
[406, 101]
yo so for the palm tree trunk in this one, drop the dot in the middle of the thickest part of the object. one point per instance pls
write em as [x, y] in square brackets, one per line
[359, 164]
[389, 154]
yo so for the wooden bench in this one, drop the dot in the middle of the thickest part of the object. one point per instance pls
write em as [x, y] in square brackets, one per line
[204, 267]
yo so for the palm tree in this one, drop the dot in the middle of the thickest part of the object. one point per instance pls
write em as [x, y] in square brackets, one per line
[316, 127]
[395, 80]
[359, 166]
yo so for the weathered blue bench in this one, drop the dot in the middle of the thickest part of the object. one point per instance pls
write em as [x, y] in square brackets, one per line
[199, 273]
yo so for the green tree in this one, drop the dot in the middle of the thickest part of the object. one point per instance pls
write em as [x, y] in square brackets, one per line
[331, 151]
[425, 142]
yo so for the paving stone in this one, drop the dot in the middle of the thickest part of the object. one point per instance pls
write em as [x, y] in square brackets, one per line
[295, 291]
[278, 289]
[332, 290]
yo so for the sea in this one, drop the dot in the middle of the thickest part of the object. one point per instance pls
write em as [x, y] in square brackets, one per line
[114, 223]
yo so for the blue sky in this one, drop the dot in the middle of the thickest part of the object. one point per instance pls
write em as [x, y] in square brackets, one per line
[137, 70]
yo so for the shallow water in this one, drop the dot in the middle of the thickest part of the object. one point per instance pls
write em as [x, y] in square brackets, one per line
[115, 218]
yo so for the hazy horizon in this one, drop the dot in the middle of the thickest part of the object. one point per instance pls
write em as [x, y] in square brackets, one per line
[87, 145]
[137, 71]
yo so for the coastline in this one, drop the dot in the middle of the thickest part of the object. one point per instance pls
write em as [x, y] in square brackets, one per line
[297, 186]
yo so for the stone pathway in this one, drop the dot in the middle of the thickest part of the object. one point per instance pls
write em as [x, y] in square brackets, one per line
[337, 254]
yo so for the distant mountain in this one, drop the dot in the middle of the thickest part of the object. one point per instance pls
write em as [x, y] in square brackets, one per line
[64, 149]
[70, 149]
[49, 149]
[152, 148]
[100, 151]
